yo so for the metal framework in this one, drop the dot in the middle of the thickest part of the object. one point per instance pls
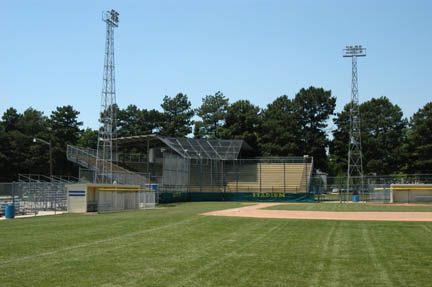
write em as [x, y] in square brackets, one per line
[106, 147]
[355, 165]
[190, 148]
[205, 148]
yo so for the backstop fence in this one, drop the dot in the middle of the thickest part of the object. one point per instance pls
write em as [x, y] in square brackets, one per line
[263, 175]
[287, 175]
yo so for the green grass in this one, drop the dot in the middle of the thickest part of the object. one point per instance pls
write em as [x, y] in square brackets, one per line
[336, 196]
[352, 207]
[173, 246]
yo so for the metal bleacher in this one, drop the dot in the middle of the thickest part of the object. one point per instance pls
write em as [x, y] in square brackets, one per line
[271, 177]
[86, 157]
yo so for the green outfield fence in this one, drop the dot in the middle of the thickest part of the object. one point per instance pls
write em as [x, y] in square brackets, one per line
[169, 197]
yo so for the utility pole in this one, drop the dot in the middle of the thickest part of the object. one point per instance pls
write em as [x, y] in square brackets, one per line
[106, 150]
[355, 165]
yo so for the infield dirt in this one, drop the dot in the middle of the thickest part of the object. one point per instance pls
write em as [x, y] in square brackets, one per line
[257, 211]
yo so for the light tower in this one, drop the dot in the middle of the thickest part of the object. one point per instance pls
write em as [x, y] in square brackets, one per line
[106, 150]
[355, 166]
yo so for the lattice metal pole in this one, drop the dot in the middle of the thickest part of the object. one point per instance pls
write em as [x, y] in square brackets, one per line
[355, 165]
[106, 149]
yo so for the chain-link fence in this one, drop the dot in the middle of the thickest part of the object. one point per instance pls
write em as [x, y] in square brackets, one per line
[33, 197]
[179, 174]
[373, 189]
[200, 165]
[283, 175]
[118, 198]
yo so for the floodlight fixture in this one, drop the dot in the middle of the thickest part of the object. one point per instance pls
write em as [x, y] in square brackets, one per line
[111, 17]
[354, 51]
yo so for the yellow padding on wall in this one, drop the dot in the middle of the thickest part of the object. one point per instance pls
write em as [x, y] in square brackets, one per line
[123, 189]
[404, 188]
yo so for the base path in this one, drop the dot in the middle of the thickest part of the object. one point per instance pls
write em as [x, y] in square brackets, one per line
[256, 211]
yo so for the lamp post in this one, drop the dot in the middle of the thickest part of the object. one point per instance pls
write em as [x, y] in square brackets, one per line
[50, 152]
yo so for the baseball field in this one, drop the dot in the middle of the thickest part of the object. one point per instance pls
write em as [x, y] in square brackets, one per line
[175, 245]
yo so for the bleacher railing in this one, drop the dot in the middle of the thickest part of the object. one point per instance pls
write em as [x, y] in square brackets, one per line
[86, 157]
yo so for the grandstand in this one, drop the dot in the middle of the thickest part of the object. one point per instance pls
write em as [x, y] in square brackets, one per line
[288, 177]
[198, 165]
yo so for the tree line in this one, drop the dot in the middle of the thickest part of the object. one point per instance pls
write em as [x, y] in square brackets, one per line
[294, 126]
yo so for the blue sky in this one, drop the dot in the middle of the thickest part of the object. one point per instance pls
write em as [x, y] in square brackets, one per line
[52, 51]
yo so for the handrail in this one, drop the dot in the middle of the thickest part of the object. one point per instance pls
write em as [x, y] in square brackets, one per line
[88, 154]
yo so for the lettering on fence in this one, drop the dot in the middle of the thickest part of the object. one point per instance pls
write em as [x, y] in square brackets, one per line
[176, 194]
[268, 195]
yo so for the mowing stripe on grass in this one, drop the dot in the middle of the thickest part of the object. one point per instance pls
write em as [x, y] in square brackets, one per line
[397, 278]
[171, 248]
[102, 250]
[333, 256]
[324, 254]
[123, 236]
[426, 228]
[385, 279]
[211, 264]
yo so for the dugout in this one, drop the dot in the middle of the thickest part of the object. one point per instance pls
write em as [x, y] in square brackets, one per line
[90, 197]
[411, 193]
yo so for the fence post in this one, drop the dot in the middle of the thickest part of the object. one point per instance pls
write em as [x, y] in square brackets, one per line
[35, 200]
[201, 175]
[13, 193]
[55, 201]
[148, 155]
[284, 181]
[236, 174]
[260, 179]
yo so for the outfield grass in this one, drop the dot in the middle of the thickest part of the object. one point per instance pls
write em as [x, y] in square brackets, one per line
[352, 207]
[173, 246]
